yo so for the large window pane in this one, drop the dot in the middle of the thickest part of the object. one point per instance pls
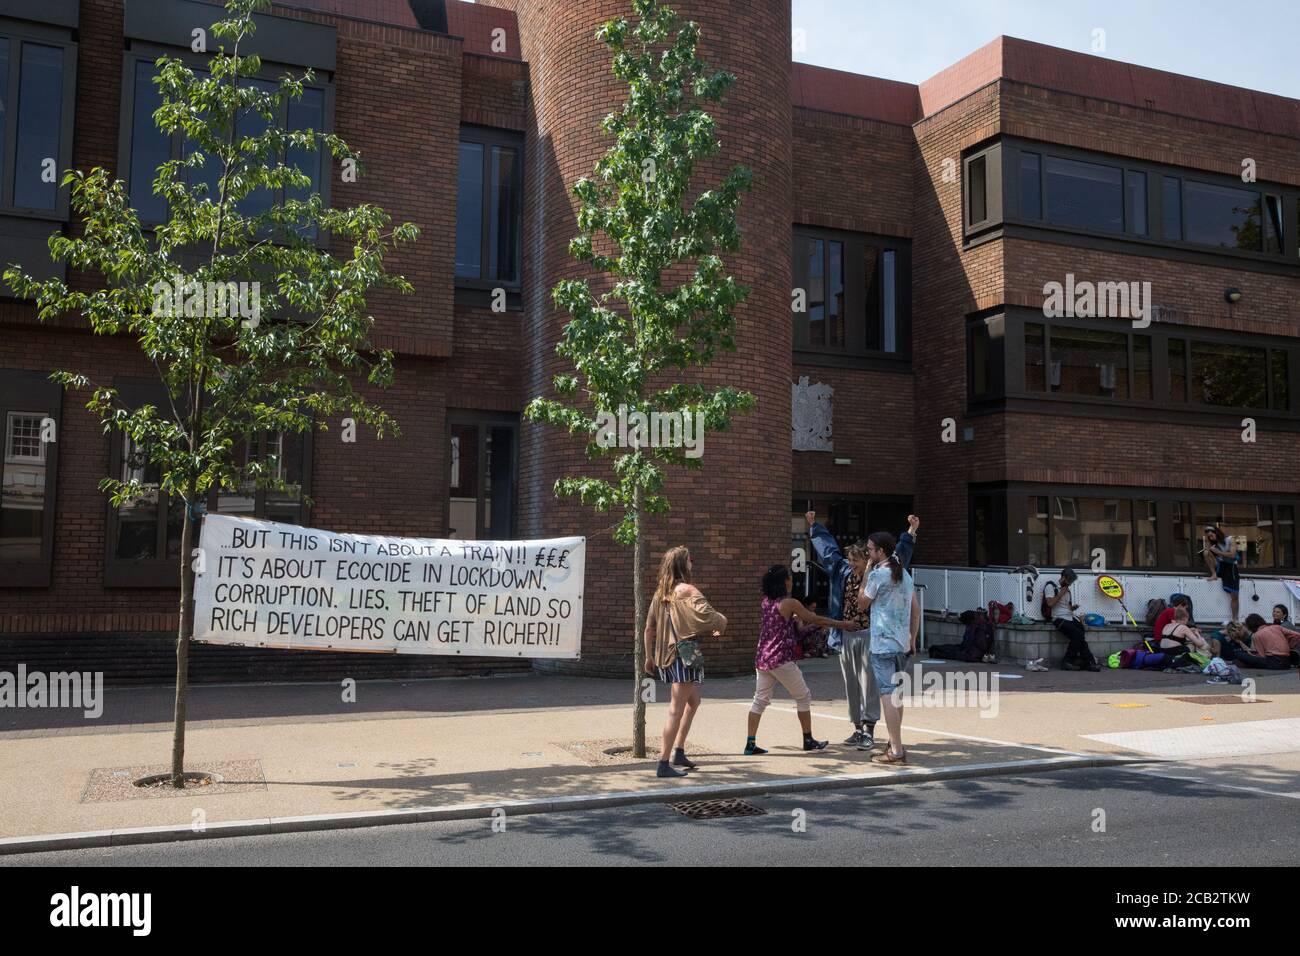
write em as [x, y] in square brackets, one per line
[137, 519]
[1084, 195]
[1135, 202]
[1284, 536]
[1036, 552]
[978, 192]
[252, 124]
[1279, 370]
[1177, 370]
[1080, 526]
[1035, 357]
[1089, 362]
[1144, 528]
[889, 300]
[304, 114]
[1245, 522]
[1142, 366]
[4, 99]
[1031, 186]
[469, 211]
[503, 238]
[1229, 375]
[22, 488]
[835, 294]
[1186, 537]
[150, 146]
[981, 376]
[815, 275]
[285, 504]
[1223, 216]
[40, 104]
[1272, 223]
[1171, 207]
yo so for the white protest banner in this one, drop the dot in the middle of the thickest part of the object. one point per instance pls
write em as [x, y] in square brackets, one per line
[264, 584]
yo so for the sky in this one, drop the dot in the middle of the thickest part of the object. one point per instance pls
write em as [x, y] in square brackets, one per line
[1252, 44]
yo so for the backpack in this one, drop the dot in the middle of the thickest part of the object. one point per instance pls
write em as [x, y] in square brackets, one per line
[1154, 607]
[1043, 606]
[1001, 613]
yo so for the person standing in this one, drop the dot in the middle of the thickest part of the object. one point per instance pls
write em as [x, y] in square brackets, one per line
[774, 662]
[847, 572]
[887, 595]
[678, 612]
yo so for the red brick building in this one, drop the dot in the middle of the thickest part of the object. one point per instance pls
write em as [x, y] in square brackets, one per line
[900, 243]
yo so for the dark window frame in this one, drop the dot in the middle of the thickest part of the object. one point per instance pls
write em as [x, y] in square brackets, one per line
[990, 157]
[477, 290]
[1015, 496]
[1014, 391]
[484, 420]
[162, 571]
[259, 495]
[27, 391]
[854, 353]
[1011, 222]
[148, 53]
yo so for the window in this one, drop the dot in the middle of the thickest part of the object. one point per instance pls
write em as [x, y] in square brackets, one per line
[1234, 376]
[29, 413]
[1171, 207]
[1031, 186]
[1135, 202]
[978, 207]
[481, 485]
[146, 147]
[36, 87]
[291, 453]
[1223, 216]
[855, 296]
[980, 361]
[1273, 224]
[1175, 367]
[489, 207]
[1084, 195]
[1133, 528]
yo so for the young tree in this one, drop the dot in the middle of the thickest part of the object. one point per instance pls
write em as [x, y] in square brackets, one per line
[254, 328]
[667, 301]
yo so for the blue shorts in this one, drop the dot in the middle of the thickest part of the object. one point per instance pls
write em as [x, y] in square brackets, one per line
[1229, 576]
[884, 667]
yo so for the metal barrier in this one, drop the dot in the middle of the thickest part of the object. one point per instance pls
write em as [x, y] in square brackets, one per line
[955, 589]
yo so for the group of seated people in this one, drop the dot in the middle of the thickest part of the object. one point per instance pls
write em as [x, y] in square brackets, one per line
[1271, 645]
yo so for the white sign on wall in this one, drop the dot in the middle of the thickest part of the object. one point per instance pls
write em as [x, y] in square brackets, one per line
[264, 584]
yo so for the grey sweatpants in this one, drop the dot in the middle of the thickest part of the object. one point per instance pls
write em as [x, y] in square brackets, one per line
[859, 681]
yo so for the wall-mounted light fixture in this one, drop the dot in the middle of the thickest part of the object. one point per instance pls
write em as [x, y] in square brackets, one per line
[1232, 295]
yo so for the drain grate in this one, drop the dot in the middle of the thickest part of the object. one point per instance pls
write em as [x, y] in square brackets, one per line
[1219, 699]
[717, 809]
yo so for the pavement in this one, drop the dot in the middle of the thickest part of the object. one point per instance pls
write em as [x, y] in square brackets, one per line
[307, 757]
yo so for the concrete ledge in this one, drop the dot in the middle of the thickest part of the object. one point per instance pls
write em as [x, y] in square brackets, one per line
[470, 811]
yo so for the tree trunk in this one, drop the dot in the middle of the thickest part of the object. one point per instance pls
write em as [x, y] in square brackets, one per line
[184, 633]
[638, 642]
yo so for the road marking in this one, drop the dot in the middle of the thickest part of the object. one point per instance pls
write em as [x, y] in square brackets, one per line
[1164, 775]
[941, 733]
[1241, 739]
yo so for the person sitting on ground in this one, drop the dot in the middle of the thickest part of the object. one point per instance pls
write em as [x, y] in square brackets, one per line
[1167, 615]
[1235, 640]
[1060, 610]
[1221, 558]
[1281, 615]
[1271, 645]
[778, 641]
[1179, 635]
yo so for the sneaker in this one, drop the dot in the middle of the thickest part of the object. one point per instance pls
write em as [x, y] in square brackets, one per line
[867, 742]
[854, 739]
[815, 744]
[988, 659]
[666, 770]
[681, 760]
